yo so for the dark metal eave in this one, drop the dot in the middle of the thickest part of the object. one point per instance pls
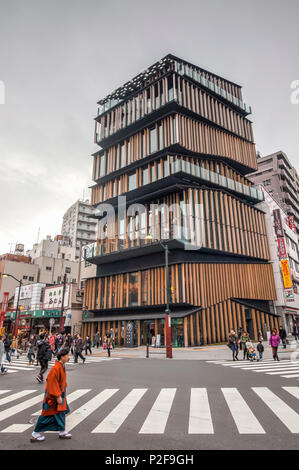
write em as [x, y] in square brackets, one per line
[168, 59]
[141, 313]
[162, 112]
[171, 183]
[175, 149]
[136, 252]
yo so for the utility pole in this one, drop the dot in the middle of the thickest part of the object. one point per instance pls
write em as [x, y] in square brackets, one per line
[62, 304]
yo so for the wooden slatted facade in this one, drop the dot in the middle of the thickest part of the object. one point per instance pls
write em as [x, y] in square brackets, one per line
[175, 136]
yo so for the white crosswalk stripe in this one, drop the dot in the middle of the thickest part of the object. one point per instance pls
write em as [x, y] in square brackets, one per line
[22, 364]
[200, 420]
[285, 368]
[156, 420]
[91, 405]
[116, 418]
[284, 412]
[245, 420]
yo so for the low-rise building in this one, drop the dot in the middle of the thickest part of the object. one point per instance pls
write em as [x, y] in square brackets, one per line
[283, 244]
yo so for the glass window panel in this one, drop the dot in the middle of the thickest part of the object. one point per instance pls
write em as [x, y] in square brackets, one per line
[145, 176]
[122, 155]
[153, 140]
[133, 289]
[102, 165]
[132, 181]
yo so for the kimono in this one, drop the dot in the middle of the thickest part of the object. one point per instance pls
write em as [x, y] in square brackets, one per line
[53, 414]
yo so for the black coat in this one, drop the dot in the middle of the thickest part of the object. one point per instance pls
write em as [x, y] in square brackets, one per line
[44, 351]
[7, 344]
[282, 333]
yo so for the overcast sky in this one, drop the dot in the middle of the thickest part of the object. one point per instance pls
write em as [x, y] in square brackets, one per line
[58, 58]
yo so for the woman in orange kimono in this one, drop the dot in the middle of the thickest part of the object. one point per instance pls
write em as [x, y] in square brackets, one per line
[55, 406]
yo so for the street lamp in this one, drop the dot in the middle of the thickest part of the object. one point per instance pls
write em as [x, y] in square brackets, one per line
[15, 329]
[167, 309]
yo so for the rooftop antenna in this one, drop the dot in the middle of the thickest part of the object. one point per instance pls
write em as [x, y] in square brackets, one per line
[38, 234]
[83, 194]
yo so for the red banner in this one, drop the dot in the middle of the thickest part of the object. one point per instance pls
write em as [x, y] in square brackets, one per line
[292, 223]
[277, 223]
[4, 307]
[282, 248]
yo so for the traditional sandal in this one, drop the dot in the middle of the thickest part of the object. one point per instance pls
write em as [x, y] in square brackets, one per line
[37, 439]
[65, 436]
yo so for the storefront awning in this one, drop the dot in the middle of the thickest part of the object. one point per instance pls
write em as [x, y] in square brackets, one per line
[140, 316]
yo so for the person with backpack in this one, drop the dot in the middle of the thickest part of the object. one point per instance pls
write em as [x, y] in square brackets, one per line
[7, 344]
[44, 355]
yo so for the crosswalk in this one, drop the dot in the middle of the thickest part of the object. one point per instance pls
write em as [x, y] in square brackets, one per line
[286, 368]
[22, 364]
[150, 412]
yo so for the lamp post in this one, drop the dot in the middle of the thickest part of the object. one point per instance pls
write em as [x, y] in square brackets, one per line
[15, 328]
[167, 309]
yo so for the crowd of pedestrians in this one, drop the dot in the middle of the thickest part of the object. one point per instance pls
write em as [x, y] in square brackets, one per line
[40, 349]
[241, 341]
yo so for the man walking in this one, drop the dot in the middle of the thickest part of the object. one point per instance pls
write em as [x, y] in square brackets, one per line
[87, 345]
[283, 335]
[44, 355]
[55, 406]
[78, 348]
[2, 350]
[7, 344]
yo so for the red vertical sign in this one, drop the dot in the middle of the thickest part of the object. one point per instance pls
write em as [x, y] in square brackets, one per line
[4, 307]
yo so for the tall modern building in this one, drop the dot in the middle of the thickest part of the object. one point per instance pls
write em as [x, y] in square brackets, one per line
[78, 225]
[280, 179]
[176, 144]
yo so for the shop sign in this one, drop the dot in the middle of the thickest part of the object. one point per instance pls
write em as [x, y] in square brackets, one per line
[289, 295]
[291, 223]
[287, 281]
[53, 297]
[278, 223]
[282, 248]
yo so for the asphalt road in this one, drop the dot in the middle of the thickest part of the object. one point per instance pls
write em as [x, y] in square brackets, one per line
[145, 404]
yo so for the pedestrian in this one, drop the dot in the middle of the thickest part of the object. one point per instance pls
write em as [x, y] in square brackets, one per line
[243, 341]
[97, 339]
[78, 348]
[7, 344]
[31, 351]
[14, 347]
[295, 332]
[283, 335]
[233, 344]
[274, 341]
[52, 342]
[260, 336]
[109, 343]
[87, 345]
[2, 355]
[44, 355]
[260, 348]
[55, 405]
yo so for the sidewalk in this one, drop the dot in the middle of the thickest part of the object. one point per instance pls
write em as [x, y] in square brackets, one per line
[215, 352]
